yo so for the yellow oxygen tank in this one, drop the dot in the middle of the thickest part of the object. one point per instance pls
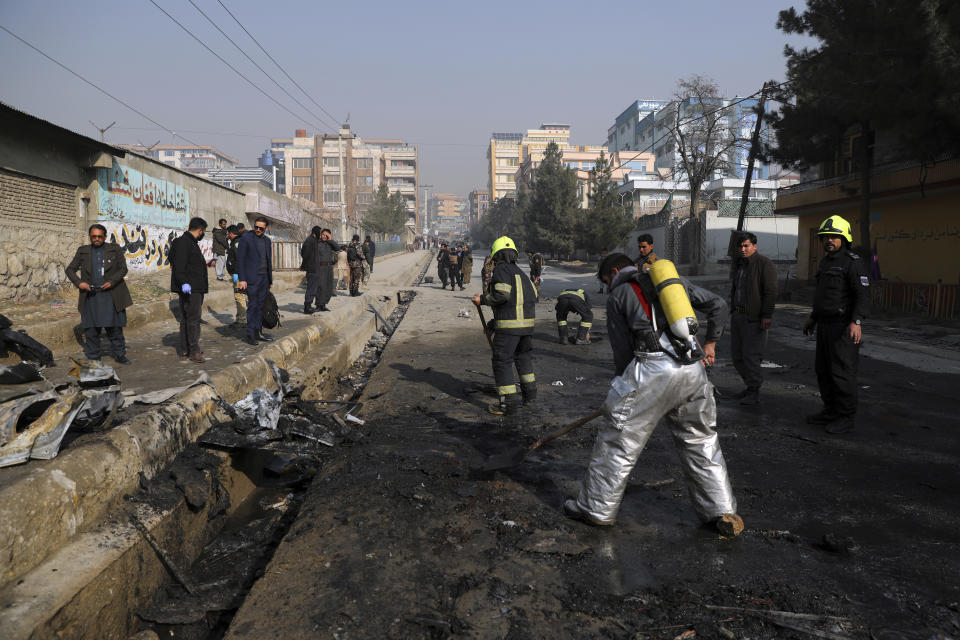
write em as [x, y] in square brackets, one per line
[673, 298]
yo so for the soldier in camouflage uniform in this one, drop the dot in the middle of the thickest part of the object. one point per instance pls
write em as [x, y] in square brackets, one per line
[487, 273]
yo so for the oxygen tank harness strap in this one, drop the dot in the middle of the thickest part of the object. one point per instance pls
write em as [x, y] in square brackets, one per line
[649, 342]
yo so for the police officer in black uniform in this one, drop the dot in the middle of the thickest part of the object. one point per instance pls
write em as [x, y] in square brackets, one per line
[840, 304]
[514, 302]
[577, 301]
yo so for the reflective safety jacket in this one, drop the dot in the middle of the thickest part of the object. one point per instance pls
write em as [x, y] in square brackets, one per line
[513, 299]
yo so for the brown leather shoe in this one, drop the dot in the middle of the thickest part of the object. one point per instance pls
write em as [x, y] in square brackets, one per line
[197, 357]
[729, 525]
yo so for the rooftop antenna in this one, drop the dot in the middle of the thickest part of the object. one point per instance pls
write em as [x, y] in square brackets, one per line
[150, 148]
[103, 130]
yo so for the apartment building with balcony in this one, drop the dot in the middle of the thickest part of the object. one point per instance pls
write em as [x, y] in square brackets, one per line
[479, 201]
[341, 172]
[446, 215]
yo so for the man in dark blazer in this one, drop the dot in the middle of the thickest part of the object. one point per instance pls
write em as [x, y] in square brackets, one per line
[255, 266]
[104, 296]
[309, 263]
[188, 279]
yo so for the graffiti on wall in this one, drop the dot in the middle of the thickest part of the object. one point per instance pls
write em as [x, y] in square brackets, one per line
[147, 247]
[128, 195]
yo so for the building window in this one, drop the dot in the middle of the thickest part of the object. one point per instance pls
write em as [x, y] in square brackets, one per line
[303, 163]
[364, 181]
[303, 181]
[331, 197]
[168, 153]
[331, 162]
[331, 181]
[364, 163]
[364, 198]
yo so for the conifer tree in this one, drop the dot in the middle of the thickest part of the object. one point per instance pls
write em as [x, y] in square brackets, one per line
[605, 223]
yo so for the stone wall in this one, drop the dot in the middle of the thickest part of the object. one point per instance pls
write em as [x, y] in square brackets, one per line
[32, 261]
[39, 234]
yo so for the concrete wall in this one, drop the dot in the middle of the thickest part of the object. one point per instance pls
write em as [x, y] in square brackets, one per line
[145, 204]
[917, 240]
[776, 236]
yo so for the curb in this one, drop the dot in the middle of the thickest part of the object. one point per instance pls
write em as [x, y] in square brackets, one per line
[73, 492]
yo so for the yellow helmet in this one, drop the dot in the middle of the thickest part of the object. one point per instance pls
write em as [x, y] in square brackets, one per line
[503, 242]
[835, 226]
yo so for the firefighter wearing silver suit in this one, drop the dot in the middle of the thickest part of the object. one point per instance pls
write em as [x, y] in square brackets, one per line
[653, 381]
[513, 299]
[578, 302]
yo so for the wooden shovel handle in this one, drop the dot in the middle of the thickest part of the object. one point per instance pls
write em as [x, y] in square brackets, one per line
[563, 430]
[483, 320]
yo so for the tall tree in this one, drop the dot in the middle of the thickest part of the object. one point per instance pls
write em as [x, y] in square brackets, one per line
[882, 66]
[387, 214]
[502, 219]
[552, 211]
[605, 223]
[706, 134]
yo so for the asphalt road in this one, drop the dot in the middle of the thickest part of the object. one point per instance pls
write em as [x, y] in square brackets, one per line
[401, 537]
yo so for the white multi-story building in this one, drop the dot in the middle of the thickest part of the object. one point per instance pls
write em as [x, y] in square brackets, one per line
[622, 136]
[197, 159]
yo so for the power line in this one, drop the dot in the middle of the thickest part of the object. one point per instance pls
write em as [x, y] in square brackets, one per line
[276, 63]
[234, 69]
[97, 87]
[694, 118]
[269, 77]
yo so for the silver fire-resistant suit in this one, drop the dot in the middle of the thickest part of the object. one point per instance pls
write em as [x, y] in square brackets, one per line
[651, 384]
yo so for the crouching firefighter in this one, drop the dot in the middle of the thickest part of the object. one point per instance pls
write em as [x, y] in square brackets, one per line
[513, 298]
[577, 301]
[652, 328]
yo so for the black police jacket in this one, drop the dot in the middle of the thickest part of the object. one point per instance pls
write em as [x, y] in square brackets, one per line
[843, 288]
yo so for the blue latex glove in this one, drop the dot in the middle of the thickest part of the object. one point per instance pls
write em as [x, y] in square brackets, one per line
[186, 288]
[236, 278]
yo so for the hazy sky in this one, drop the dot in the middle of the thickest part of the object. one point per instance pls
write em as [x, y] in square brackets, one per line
[442, 75]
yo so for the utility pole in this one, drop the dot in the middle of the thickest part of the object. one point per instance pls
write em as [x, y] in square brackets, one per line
[426, 190]
[754, 143]
[104, 129]
[343, 186]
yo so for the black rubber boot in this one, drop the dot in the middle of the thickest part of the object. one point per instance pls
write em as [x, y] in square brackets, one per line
[562, 332]
[507, 406]
[529, 392]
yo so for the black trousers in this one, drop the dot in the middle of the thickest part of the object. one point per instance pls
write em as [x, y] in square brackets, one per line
[836, 367]
[511, 350]
[91, 342]
[747, 344]
[442, 273]
[257, 288]
[567, 304]
[456, 278]
[324, 285]
[191, 305]
[313, 279]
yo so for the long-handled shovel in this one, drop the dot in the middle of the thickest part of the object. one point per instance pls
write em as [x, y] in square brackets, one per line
[514, 458]
[486, 331]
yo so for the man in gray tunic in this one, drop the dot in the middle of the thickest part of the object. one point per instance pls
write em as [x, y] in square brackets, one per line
[104, 296]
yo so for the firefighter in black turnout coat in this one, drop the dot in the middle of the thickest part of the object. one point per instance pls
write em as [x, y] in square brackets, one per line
[577, 301]
[513, 299]
[840, 304]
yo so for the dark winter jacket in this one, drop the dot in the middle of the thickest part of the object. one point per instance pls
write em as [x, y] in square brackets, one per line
[114, 272]
[188, 265]
[220, 242]
[308, 254]
[760, 290]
